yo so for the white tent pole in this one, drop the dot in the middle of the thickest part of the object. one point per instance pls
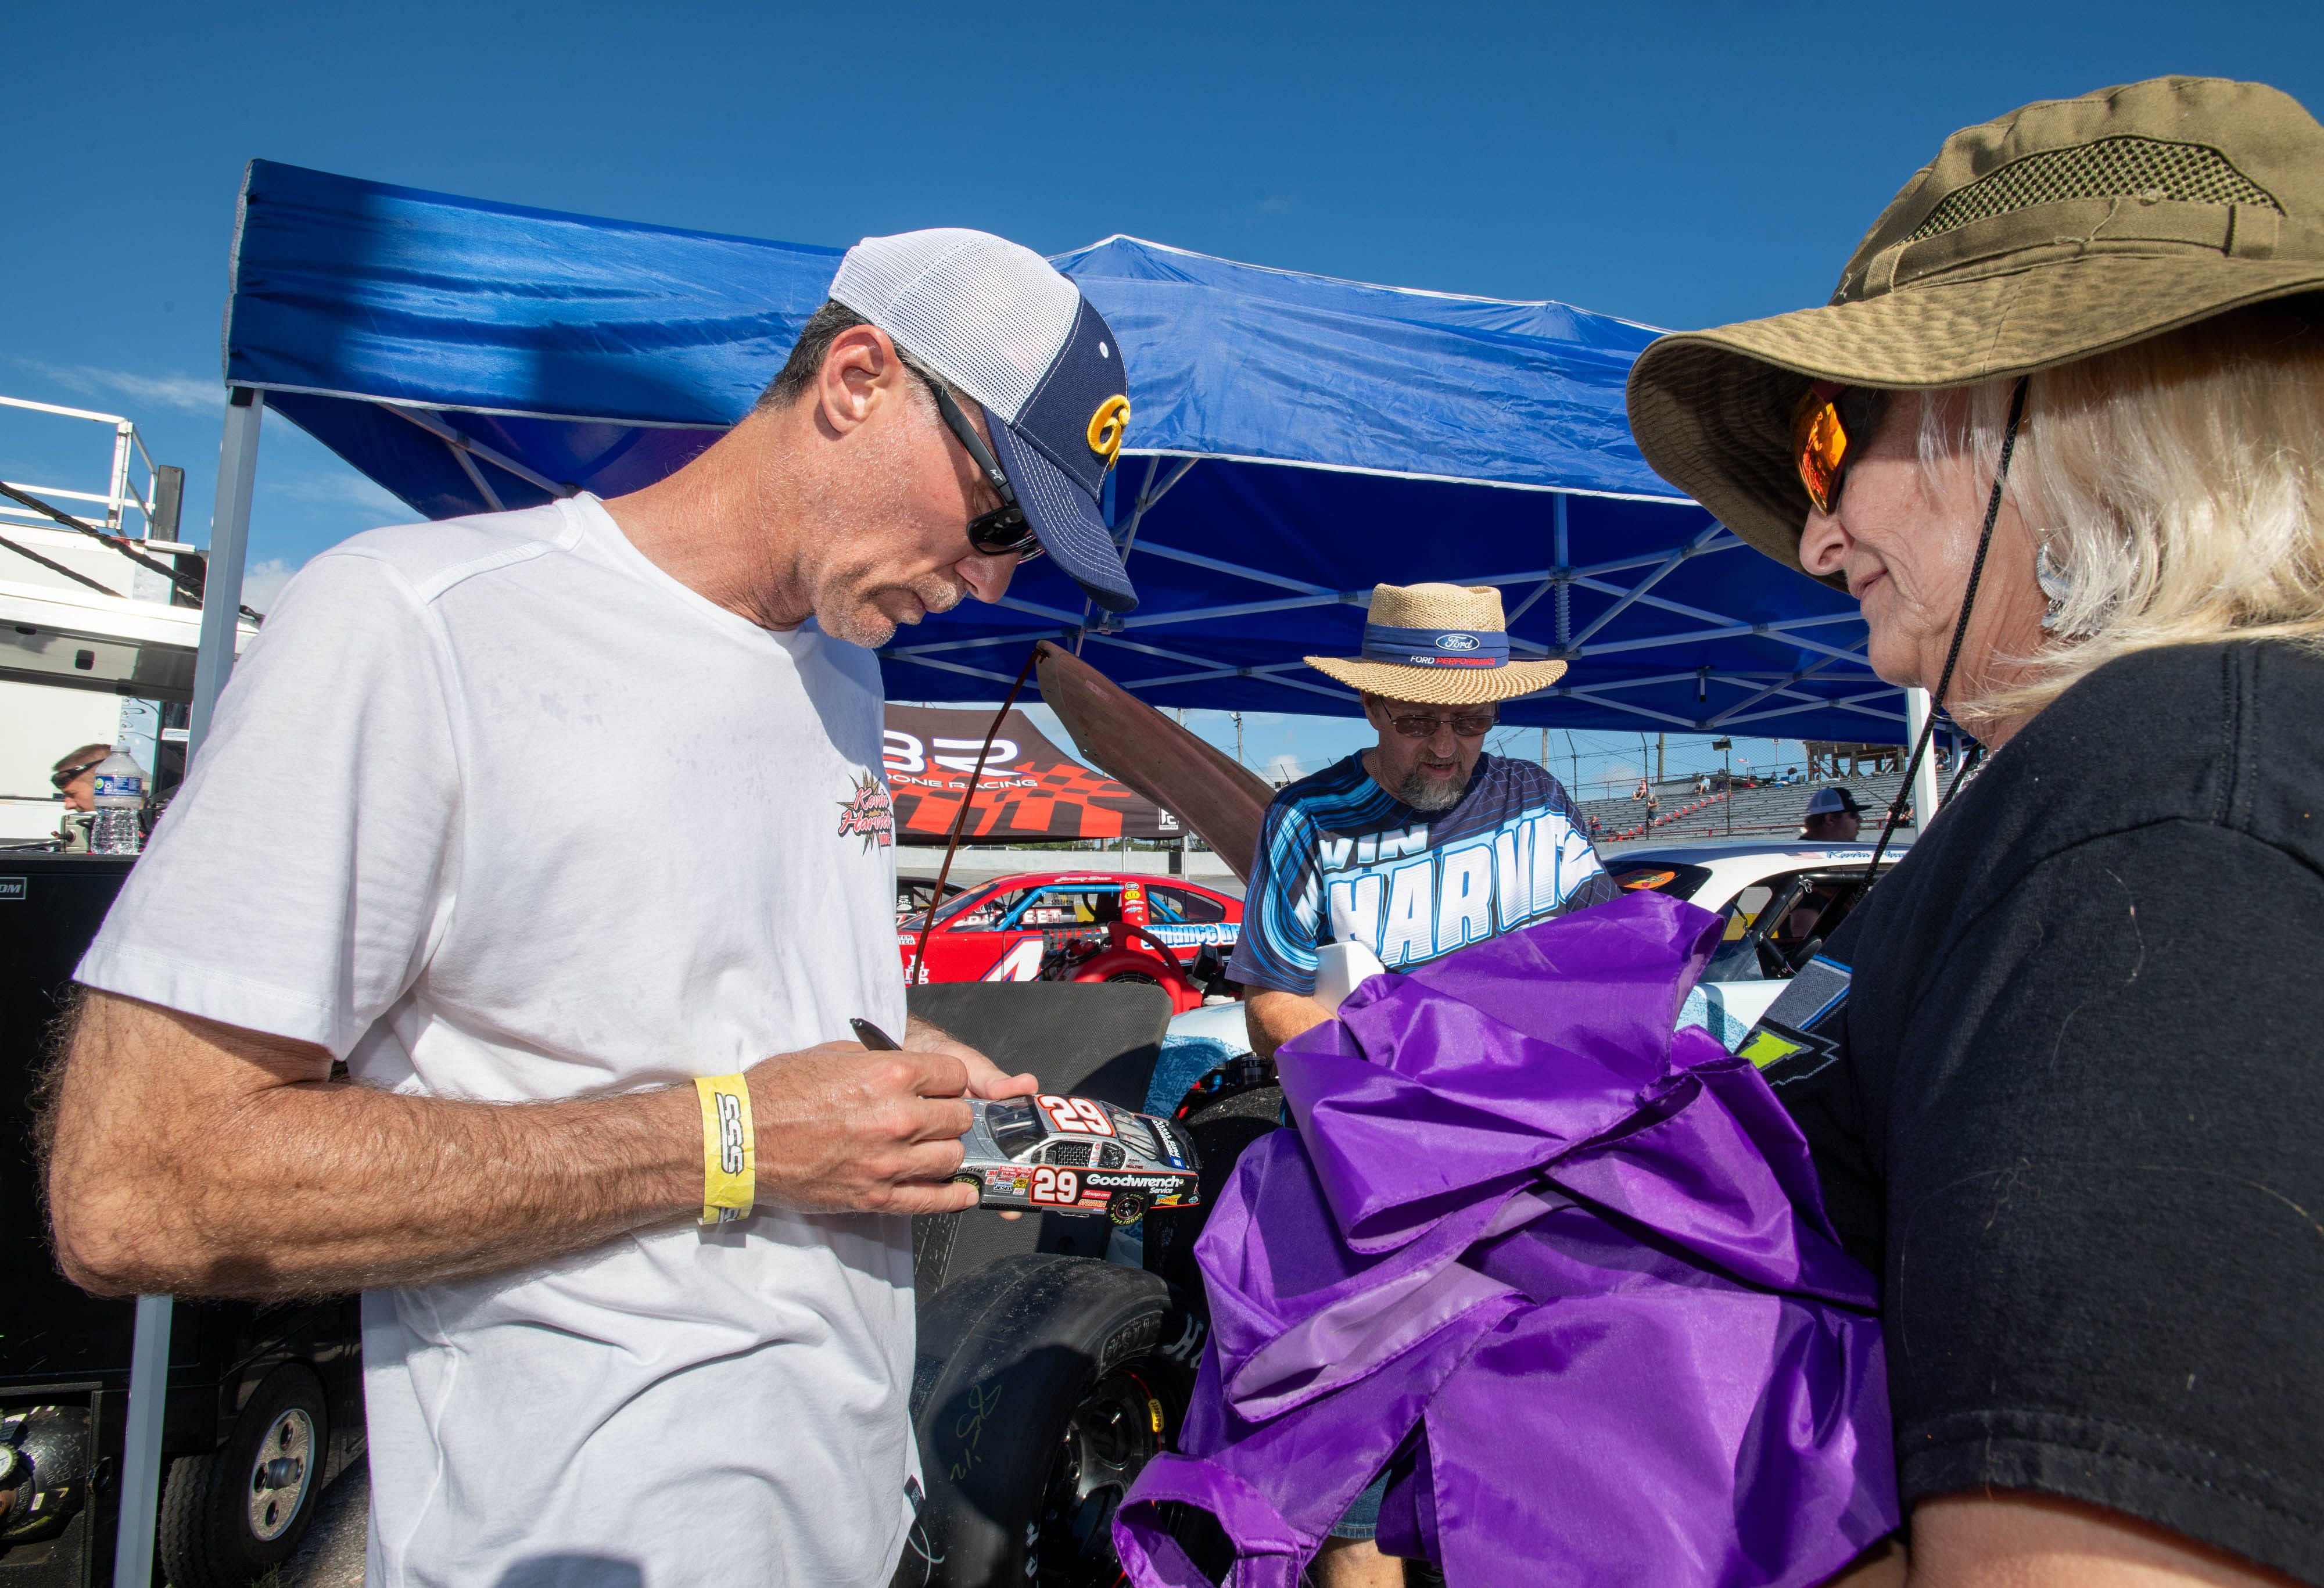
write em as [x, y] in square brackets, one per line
[1924, 779]
[149, 1356]
[141, 1455]
[229, 540]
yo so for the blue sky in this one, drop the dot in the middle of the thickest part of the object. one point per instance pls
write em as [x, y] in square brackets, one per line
[1677, 161]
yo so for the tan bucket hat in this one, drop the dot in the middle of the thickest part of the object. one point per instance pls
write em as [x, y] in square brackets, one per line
[2067, 228]
[1438, 645]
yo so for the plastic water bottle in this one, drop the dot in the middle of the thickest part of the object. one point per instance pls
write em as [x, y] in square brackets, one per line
[120, 796]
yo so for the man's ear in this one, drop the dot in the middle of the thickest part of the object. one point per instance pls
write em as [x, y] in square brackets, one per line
[1375, 711]
[860, 372]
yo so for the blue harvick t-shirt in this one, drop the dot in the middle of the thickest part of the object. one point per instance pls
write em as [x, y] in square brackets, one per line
[1341, 859]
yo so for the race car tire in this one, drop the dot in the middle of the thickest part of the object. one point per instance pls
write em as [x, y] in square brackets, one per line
[1221, 1132]
[1126, 1208]
[230, 1517]
[1044, 1385]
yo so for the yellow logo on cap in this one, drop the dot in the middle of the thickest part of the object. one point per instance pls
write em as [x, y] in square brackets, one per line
[1107, 427]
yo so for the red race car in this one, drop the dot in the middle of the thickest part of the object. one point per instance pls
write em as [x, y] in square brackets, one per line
[1089, 925]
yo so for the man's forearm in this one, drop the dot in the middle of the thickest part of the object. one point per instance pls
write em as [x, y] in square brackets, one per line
[1273, 1018]
[196, 1159]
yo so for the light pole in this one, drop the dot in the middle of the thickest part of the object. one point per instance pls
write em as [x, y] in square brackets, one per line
[1726, 747]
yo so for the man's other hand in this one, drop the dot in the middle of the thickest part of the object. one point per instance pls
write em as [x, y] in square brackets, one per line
[842, 1128]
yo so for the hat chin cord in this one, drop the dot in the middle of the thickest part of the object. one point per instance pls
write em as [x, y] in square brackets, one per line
[1960, 629]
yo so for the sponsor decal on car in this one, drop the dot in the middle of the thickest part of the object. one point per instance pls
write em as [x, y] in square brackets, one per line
[1135, 1182]
[1007, 1180]
[1219, 932]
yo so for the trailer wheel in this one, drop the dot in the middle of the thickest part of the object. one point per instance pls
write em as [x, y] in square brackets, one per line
[230, 1515]
[1045, 1384]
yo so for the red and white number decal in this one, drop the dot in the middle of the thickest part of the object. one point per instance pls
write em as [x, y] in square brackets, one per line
[1077, 1115]
[1056, 1187]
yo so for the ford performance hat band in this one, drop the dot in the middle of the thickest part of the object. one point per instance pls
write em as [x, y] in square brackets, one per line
[1435, 647]
[998, 322]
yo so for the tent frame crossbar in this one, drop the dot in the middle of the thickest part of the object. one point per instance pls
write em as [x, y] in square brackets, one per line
[466, 450]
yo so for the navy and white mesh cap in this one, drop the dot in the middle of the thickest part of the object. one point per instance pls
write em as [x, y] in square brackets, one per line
[998, 322]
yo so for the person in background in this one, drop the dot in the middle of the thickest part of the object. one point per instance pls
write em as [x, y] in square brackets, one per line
[74, 776]
[1833, 816]
[626, 1205]
[2066, 411]
[1415, 847]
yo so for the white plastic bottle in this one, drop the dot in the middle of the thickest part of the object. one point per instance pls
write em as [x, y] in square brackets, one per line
[120, 796]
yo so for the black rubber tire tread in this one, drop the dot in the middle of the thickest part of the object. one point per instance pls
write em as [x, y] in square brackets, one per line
[202, 1535]
[1005, 1355]
[1221, 1132]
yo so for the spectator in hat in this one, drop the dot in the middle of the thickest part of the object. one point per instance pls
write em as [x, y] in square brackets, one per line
[2065, 411]
[1833, 816]
[1414, 847]
[627, 1202]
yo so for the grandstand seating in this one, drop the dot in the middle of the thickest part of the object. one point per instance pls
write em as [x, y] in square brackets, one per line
[1773, 811]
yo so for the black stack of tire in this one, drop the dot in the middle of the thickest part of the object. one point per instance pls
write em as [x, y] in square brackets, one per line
[1047, 1376]
[1046, 1383]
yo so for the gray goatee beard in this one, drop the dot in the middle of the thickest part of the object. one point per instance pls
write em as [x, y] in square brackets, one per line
[1422, 792]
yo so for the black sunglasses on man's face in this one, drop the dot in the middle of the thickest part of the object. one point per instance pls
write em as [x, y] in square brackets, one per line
[1004, 531]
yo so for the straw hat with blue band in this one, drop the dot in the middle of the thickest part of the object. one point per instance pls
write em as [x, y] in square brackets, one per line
[1438, 645]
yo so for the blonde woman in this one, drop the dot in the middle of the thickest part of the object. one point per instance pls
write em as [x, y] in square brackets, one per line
[2060, 431]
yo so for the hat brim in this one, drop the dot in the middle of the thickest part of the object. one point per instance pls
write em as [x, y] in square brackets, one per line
[1440, 686]
[1712, 409]
[1064, 517]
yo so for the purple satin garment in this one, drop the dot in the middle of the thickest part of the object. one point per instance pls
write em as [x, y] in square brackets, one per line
[1564, 1274]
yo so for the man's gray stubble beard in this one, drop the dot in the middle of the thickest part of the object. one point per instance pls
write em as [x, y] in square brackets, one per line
[1422, 792]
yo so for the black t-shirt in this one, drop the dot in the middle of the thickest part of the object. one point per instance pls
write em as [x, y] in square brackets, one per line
[2077, 1118]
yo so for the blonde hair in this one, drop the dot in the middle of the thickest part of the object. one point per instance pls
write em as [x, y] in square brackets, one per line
[2176, 485]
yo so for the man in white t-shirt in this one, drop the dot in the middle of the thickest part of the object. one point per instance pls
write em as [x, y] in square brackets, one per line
[431, 836]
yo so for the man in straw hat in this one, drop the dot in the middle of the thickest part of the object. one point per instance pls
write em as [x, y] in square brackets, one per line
[1423, 843]
[2060, 431]
[1414, 847]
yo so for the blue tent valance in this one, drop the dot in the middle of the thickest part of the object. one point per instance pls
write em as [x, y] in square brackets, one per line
[1295, 439]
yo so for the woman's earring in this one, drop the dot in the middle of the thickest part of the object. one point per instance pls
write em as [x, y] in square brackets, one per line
[2054, 586]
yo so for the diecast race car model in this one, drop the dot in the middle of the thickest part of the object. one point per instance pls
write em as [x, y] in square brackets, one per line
[1077, 1155]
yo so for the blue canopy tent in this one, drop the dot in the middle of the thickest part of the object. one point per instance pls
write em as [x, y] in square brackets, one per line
[1293, 441]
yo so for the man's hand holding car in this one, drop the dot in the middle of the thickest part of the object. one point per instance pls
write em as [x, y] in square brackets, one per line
[844, 1129]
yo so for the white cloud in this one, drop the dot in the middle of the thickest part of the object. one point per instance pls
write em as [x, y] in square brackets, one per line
[263, 582]
[1283, 768]
[340, 488]
[183, 392]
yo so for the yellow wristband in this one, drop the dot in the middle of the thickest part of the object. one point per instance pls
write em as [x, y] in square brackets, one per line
[730, 1171]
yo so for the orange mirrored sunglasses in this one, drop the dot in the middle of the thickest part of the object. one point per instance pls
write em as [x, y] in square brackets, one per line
[1830, 424]
[1819, 443]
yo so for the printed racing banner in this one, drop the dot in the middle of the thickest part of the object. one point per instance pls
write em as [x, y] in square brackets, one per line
[1030, 788]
